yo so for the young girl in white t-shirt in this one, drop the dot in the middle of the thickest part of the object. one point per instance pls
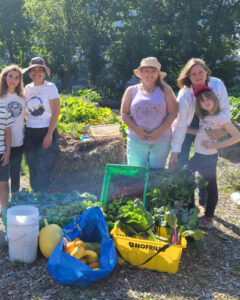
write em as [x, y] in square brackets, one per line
[205, 158]
[12, 97]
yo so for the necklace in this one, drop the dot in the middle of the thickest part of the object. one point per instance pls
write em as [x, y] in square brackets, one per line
[148, 90]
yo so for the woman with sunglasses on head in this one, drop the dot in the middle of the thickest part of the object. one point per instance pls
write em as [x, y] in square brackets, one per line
[149, 109]
[41, 136]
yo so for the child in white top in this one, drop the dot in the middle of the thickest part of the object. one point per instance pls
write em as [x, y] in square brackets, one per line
[205, 158]
[11, 114]
[13, 97]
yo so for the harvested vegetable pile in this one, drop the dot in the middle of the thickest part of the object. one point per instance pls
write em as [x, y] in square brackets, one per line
[56, 208]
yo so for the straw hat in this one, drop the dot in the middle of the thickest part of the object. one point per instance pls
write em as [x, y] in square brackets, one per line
[150, 62]
[37, 62]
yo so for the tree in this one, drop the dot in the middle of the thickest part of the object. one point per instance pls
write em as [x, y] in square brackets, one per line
[14, 33]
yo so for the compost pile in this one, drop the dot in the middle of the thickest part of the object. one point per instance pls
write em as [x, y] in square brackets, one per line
[80, 164]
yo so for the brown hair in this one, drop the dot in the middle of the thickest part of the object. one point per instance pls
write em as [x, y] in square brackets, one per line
[160, 82]
[3, 81]
[202, 113]
[183, 77]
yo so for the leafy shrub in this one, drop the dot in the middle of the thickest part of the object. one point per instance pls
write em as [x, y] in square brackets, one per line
[111, 97]
[88, 95]
[77, 115]
[234, 91]
[235, 108]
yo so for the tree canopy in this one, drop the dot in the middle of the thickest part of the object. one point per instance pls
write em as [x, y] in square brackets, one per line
[104, 40]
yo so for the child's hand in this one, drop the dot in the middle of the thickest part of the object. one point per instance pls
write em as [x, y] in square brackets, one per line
[209, 144]
[5, 159]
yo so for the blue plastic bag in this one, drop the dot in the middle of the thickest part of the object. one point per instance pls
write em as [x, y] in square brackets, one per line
[89, 227]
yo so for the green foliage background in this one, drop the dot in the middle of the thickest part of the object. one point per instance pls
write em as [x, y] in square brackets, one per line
[102, 41]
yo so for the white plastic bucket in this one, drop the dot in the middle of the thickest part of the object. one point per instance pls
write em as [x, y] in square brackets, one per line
[22, 232]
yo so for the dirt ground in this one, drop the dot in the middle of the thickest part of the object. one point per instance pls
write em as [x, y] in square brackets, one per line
[209, 268]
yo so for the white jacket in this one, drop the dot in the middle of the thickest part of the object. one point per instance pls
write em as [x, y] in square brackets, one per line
[187, 105]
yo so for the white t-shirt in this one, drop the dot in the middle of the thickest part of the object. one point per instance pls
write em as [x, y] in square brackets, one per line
[16, 107]
[37, 103]
[208, 123]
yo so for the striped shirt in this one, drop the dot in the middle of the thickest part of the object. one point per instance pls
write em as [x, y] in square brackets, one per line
[5, 121]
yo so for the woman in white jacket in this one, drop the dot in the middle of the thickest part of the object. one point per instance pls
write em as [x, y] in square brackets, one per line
[193, 74]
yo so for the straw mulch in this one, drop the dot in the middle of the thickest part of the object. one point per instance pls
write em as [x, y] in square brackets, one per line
[80, 164]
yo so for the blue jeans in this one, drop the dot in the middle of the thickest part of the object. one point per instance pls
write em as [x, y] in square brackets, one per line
[40, 161]
[152, 155]
[206, 165]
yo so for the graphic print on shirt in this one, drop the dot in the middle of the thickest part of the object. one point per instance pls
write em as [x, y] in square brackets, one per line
[35, 106]
[15, 108]
[206, 125]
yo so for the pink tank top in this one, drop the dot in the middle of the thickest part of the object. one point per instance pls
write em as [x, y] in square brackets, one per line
[149, 111]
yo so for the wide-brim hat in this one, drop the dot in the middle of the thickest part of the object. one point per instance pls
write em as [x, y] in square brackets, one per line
[37, 62]
[150, 62]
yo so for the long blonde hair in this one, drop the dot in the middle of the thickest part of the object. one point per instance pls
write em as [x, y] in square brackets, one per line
[3, 81]
[183, 77]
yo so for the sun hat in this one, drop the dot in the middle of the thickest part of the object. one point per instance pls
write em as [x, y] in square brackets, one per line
[201, 88]
[150, 62]
[37, 62]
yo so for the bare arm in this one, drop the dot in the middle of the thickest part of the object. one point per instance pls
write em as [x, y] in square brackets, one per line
[172, 112]
[126, 117]
[235, 138]
[55, 108]
[8, 142]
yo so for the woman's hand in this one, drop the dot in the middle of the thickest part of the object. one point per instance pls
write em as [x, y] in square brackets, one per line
[47, 141]
[173, 160]
[216, 133]
[154, 134]
[5, 159]
[142, 132]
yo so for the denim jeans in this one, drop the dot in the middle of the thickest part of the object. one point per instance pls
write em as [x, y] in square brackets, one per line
[206, 165]
[183, 156]
[151, 155]
[40, 161]
[15, 166]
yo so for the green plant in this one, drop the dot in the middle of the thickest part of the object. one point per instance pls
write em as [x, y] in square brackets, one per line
[170, 185]
[77, 115]
[235, 108]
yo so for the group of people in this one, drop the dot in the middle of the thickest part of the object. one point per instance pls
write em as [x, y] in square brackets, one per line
[39, 104]
[158, 122]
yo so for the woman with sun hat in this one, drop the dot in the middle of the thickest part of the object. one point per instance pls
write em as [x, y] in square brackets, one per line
[149, 109]
[41, 137]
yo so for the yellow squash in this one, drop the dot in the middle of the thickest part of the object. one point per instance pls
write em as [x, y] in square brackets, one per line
[49, 237]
